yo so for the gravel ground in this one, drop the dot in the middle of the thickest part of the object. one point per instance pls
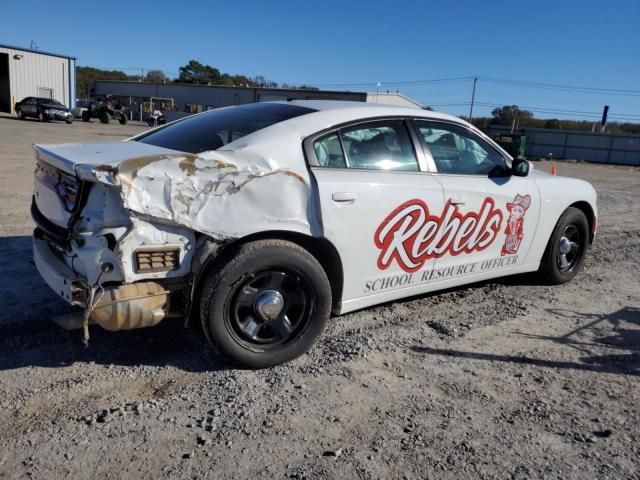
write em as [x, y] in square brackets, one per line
[506, 379]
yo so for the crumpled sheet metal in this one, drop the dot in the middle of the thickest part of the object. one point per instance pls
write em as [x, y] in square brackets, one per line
[225, 195]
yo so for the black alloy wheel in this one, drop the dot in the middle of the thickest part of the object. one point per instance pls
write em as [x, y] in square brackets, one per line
[567, 247]
[270, 308]
[265, 304]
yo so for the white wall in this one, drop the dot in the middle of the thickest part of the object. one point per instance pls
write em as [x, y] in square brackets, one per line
[37, 70]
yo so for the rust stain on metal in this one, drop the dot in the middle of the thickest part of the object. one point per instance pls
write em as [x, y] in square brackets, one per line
[128, 170]
[188, 164]
[293, 174]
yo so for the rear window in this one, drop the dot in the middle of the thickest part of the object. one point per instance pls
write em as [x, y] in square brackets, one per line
[214, 129]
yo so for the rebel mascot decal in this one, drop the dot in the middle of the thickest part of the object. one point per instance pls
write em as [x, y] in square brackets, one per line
[411, 234]
[514, 229]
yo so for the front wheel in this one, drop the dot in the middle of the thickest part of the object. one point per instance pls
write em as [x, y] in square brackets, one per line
[567, 247]
[266, 305]
[42, 117]
[122, 119]
[104, 117]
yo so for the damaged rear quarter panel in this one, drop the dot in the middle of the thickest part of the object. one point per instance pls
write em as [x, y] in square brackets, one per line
[224, 194]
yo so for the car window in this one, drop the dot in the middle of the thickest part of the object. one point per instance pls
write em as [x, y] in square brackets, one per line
[383, 145]
[216, 128]
[456, 150]
[329, 152]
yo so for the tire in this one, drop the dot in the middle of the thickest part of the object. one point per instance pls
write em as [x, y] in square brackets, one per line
[20, 114]
[236, 298]
[122, 119]
[567, 248]
[150, 121]
[42, 117]
[69, 120]
[104, 117]
[85, 116]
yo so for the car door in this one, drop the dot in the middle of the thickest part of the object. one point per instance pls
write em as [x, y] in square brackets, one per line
[490, 216]
[374, 197]
[28, 107]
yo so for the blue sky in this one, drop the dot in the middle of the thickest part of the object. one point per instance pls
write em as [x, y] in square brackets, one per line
[341, 45]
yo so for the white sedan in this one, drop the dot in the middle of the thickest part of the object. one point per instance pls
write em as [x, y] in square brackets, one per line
[261, 220]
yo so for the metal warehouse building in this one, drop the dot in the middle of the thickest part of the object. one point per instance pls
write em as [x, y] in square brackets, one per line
[34, 73]
[190, 98]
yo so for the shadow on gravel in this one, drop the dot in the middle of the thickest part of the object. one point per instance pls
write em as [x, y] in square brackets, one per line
[26, 302]
[624, 323]
[168, 344]
[28, 337]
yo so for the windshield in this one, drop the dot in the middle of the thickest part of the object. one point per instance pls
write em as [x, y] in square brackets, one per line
[213, 129]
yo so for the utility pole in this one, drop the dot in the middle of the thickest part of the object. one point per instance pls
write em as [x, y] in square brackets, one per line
[473, 97]
[605, 114]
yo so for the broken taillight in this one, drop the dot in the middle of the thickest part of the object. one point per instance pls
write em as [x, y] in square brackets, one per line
[66, 186]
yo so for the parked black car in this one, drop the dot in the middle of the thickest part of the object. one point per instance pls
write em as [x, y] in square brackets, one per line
[43, 109]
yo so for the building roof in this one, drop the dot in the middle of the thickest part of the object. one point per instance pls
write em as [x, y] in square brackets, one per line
[40, 52]
[273, 89]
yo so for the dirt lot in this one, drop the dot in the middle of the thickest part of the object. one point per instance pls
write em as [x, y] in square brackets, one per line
[508, 379]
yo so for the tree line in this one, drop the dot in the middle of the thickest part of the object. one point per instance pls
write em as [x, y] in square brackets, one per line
[512, 115]
[193, 72]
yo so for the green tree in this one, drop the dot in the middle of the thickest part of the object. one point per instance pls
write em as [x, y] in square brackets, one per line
[553, 123]
[155, 76]
[196, 72]
[507, 114]
[86, 78]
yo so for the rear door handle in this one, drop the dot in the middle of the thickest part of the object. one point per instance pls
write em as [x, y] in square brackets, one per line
[344, 197]
[457, 201]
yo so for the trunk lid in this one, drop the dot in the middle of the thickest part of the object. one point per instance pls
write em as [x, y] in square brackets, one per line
[64, 174]
[72, 157]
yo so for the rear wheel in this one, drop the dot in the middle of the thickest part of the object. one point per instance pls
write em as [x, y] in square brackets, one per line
[266, 305]
[20, 114]
[567, 247]
[105, 117]
[86, 117]
[123, 119]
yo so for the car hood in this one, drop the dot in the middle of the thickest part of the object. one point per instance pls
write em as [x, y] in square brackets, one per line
[51, 106]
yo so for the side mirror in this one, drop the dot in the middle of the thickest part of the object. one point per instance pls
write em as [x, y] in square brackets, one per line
[519, 167]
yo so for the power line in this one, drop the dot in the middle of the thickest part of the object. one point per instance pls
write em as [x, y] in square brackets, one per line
[552, 86]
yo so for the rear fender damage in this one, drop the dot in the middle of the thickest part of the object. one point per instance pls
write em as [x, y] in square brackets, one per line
[222, 196]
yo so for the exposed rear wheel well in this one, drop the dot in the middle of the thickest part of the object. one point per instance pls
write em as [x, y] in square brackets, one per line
[588, 212]
[320, 248]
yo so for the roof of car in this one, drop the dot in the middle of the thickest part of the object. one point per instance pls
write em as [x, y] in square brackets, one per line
[326, 115]
[370, 109]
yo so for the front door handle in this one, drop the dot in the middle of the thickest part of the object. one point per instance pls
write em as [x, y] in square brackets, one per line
[457, 201]
[344, 197]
